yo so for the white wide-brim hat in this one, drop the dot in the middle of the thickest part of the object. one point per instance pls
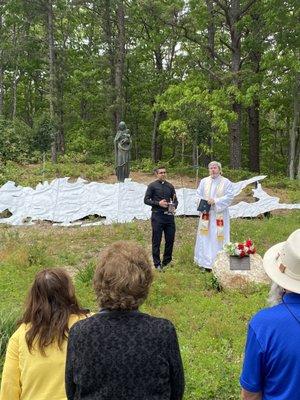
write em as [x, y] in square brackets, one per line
[282, 263]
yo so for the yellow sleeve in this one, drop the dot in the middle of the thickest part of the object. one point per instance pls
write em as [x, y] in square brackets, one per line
[10, 385]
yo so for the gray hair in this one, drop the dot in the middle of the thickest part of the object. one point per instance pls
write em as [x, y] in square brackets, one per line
[217, 163]
[275, 295]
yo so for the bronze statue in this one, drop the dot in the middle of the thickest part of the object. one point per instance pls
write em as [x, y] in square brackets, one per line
[122, 144]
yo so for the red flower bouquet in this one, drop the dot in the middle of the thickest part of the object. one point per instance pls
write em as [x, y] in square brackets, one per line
[243, 249]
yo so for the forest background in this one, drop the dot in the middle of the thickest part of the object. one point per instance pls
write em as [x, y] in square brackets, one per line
[193, 80]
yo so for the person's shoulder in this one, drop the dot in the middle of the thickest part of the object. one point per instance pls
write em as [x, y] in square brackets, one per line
[205, 179]
[169, 184]
[161, 323]
[151, 184]
[265, 316]
[74, 318]
[226, 180]
[18, 337]
[81, 323]
[202, 181]
[19, 332]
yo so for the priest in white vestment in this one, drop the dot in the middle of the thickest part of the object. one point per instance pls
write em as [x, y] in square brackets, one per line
[214, 227]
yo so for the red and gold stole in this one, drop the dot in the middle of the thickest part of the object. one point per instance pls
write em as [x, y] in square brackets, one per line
[204, 217]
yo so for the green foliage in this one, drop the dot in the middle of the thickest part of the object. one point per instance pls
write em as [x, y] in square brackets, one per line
[173, 65]
[15, 140]
[85, 274]
[44, 132]
[32, 174]
[8, 324]
[174, 128]
[143, 165]
[37, 254]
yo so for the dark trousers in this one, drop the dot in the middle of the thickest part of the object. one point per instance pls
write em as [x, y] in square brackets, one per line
[162, 223]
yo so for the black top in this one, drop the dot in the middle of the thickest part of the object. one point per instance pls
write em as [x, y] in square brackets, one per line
[123, 355]
[159, 190]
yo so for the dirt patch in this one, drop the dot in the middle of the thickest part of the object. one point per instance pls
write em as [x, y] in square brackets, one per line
[146, 178]
[192, 183]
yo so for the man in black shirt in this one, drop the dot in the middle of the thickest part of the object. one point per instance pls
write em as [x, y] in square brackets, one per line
[158, 195]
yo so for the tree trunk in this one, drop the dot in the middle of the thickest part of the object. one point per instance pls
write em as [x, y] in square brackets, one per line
[154, 143]
[108, 37]
[156, 147]
[235, 127]
[119, 67]
[182, 150]
[1, 70]
[29, 103]
[195, 153]
[235, 137]
[211, 30]
[61, 131]
[297, 158]
[233, 12]
[51, 57]
[159, 152]
[254, 139]
[295, 133]
[15, 74]
[61, 74]
[254, 110]
[14, 90]
[1, 87]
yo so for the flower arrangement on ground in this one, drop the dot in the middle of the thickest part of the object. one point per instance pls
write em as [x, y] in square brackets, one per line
[242, 249]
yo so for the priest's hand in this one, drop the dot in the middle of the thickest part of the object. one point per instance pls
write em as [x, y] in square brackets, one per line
[211, 202]
[163, 203]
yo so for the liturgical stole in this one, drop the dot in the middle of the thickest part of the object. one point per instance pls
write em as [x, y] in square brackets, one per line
[204, 217]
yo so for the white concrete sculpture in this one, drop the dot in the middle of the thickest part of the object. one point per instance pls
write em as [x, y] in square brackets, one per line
[65, 203]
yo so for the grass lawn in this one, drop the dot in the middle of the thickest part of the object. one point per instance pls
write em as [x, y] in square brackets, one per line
[211, 325]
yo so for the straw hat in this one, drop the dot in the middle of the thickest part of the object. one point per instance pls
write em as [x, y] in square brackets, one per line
[282, 263]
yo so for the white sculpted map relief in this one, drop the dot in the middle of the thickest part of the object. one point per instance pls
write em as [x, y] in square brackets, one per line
[66, 203]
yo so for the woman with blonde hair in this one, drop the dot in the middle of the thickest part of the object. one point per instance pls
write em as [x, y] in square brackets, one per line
[121, 353]
[34, 366]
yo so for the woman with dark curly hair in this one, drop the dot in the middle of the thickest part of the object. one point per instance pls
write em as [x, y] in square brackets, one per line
[34, 367]
[121, 353]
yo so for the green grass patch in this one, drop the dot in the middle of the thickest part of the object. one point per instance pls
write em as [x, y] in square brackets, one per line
[8, 322]
[211, 324]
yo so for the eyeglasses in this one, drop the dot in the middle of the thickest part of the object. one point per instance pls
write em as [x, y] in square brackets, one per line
[161, 173]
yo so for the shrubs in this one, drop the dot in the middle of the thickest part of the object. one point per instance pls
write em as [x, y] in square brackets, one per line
[43, 133]
[143, 165]
[15, 140]
[31, 175]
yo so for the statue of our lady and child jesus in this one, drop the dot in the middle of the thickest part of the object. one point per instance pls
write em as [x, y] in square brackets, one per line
[122, 143]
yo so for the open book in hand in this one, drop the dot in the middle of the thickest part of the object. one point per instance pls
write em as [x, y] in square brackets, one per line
[203, 206]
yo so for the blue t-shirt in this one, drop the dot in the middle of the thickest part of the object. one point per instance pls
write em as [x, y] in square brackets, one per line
[272, 354]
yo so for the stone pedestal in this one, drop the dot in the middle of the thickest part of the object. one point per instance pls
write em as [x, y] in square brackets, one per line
[236, 279]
